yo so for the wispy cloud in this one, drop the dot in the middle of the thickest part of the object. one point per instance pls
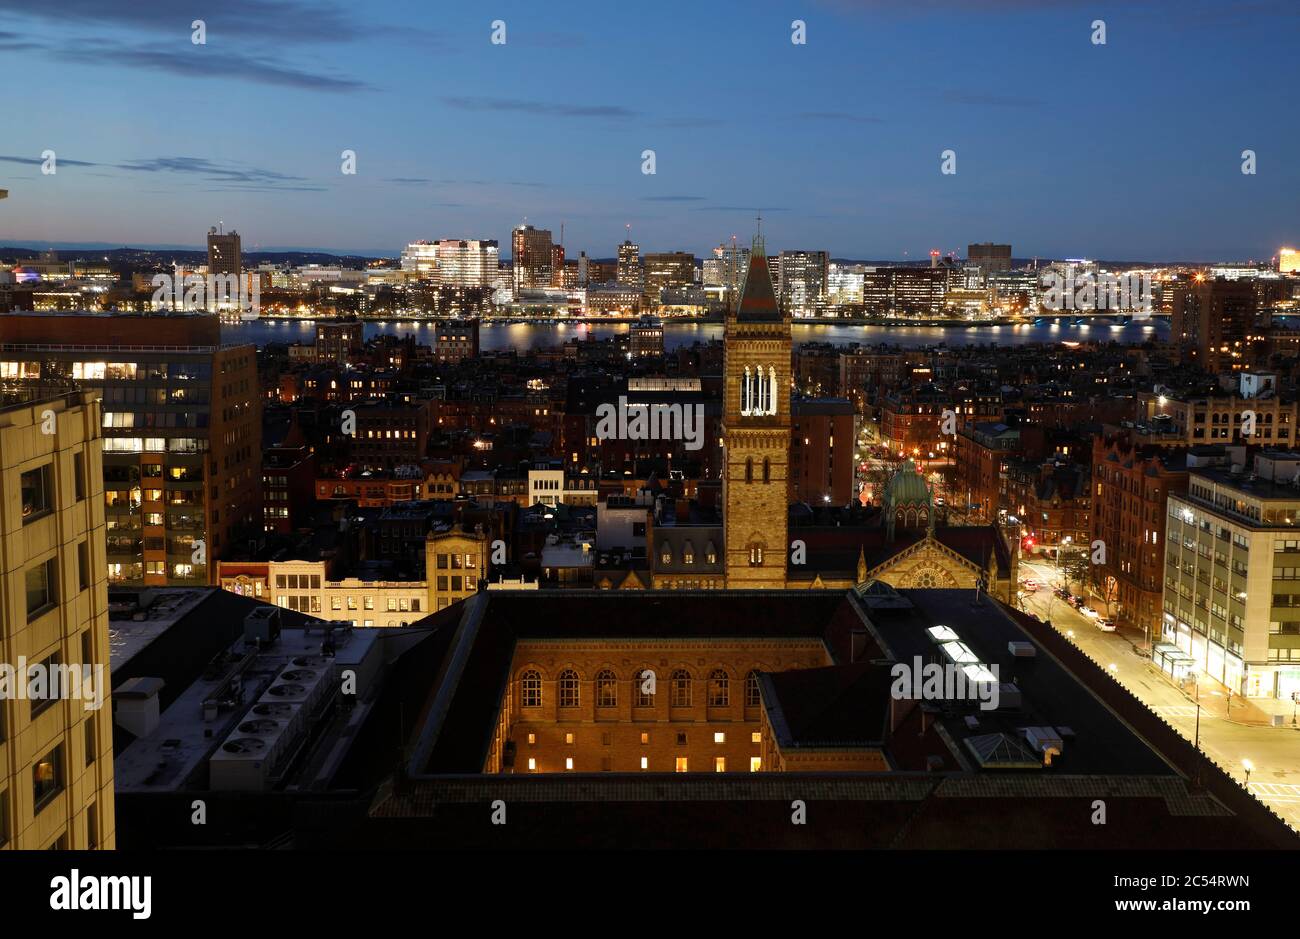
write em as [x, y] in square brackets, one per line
[840, 116]
[210, 171]
[37, 161]
[690, 122]
[672, 198]
[204, 62]
[740, 208]
[545, 108]
[992, 101]
[282, 21]
[408, 180]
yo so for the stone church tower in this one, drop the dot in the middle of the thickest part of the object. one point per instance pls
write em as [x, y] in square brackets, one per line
[756, 433]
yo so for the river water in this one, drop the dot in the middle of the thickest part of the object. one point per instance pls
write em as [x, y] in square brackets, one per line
[498, 337]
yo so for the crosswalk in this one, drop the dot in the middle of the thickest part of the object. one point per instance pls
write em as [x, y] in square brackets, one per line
[1276, 792]
[1175, 710]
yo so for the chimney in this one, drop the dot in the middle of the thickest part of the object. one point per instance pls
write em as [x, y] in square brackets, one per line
[135, 705]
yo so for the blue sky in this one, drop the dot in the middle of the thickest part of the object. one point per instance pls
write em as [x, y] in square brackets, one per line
[1124, 151]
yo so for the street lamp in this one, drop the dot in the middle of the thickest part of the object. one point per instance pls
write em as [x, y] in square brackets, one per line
[1247, 766]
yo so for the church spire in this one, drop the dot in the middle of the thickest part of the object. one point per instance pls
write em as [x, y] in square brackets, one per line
[757, 298]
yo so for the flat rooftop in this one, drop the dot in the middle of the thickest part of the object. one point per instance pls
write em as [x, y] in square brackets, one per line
[167, 758]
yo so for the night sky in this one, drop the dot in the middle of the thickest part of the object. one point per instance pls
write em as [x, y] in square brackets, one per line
[1129, 150]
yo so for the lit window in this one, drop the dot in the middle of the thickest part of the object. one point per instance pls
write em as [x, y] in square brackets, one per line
[532, 740]
[719, 764]
[568, 762]
[755, 764]
[719, 737]
[682, 764]
[568, 738]
[756, 737]
[532, 764]
[645, 762]
[645, 738]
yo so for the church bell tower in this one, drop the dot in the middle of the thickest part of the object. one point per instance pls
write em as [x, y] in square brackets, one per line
[756, 433]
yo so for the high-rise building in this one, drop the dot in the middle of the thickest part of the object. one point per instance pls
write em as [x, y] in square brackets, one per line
[756, 433]
[557, 265]
[531, 258]
[804, 280]
[668, 270]
[629, 265]
[454, 262]
[182, 431]
[223, 253]
[1288, 261]
[421, 257]
[989, 256]
[726, 268]
[1231, 588]
[56, 751]
[1214, 323]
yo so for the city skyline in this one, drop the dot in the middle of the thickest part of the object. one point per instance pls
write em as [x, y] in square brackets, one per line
[537, 133]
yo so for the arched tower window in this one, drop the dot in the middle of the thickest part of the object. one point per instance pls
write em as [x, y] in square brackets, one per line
[719, 689]
[570, 697]
[606, 689]
[749, 470]
[530, 689]
[767, 470]
[681, 685]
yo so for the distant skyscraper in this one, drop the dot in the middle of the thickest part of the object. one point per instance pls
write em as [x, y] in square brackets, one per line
[804, 279]
[726, 268]
[420, 257]
[530, 250]
[223, 253]
[557, 265]
[467, 263]
[989, 256]
[1213, 322]
[629, 265]
[672, 269]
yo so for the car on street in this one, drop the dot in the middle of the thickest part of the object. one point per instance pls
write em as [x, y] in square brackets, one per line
[1089, 612]
[1030, 585]
[1106, 625]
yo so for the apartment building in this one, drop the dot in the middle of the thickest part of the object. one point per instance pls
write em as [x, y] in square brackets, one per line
[1232, 575]
[56, 750]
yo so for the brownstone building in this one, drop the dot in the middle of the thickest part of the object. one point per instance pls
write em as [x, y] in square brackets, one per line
[1130, 487]
[821, 451]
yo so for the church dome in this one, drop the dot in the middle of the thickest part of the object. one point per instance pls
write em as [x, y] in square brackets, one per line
[908, 487]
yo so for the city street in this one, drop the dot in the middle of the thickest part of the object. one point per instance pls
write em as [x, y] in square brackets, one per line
[1273, 752]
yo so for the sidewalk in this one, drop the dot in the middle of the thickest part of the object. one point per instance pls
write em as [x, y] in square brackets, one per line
[1214, 698]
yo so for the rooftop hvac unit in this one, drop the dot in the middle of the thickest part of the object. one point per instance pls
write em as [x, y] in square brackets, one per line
[1022, 650]
[1009, 697]
[1044, 739]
